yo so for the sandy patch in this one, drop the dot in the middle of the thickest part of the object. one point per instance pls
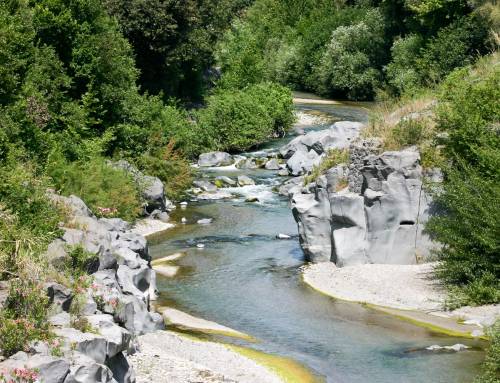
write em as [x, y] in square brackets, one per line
[168, 258]
[168, 271]
[167, 357]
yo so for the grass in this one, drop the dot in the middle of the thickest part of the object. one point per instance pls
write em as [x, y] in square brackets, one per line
[333, 158]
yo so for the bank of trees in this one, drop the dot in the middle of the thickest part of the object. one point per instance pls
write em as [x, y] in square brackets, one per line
[355, 49]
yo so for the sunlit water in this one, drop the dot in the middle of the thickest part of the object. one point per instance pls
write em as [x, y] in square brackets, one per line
[247, 279]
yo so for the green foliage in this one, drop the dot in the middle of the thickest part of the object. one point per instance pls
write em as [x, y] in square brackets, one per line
[109, 192]
[23, 317]
[402, 72]
[170, 167]
[349, 65]
[469, 227]
[81, 262]
[491, 366]
[173, 41]
[240, 119]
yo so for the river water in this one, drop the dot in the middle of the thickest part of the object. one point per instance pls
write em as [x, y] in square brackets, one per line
[248, 280]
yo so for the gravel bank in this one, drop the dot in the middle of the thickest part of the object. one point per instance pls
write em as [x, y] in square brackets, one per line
[167, 357]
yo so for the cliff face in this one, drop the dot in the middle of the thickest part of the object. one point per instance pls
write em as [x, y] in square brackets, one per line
[372, 210]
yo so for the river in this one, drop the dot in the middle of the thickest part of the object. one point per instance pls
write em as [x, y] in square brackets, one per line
[248, 280]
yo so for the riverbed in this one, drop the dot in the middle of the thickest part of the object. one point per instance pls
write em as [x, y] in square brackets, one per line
[247, 279]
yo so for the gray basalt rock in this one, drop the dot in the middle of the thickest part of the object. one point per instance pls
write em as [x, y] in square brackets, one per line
[133, 314]
[122, 371]
[338, 136]
[152, 189]
[86, 370]
[48, 369]
[60, 296]
[302, 162]
[215, 159]
[134, 281]
[57, 253]
[92, 345]
[381, 221]
[117, 337]
[247, 163]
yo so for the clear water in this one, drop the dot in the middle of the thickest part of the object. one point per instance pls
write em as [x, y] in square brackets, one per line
[247, 279]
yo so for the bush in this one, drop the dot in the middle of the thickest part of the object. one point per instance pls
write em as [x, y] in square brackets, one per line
[81, 262]
[333, 158]
[469, 229]
[491, 366]
[240, 119]
[402, 72]
[23, 317]
[108, 192]
[170, 167]
[349, 66]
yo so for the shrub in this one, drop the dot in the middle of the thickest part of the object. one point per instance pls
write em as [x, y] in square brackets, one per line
[24, 316]
[81, 262]
[240, 119]
[491, 366]
[349, 66]
[170, 167]
[108, 192]
[402, 72]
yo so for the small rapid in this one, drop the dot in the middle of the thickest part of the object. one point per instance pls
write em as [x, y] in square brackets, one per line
[245, 278]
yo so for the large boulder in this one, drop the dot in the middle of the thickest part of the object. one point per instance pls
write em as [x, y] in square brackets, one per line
[152, 189]
[117, 338]
[302, 162]
[121, 369]
[93, 345]
[380, 221]
[133, 314]
[215, 159]
[48, 369]
[86, 370]
[338, 136]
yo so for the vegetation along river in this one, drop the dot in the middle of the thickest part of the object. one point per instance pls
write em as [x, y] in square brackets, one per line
[247, 279]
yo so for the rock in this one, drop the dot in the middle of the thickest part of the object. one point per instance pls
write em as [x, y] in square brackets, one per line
[56, 253]
[183, 220]
[117, 338]
[60, 320]
[226, 181]
[200, 245]
[380, 222]
[76, 206]
[272, 164]
[86, 370]
[152, 189]
[252, 199]
[114, 224]
[302, 162]
[121, 369]
[89, 306]
[48, 369]
[59, 295]
[215, 159]
[456, 347]
[283, 172]
[245, 180]
[338, 136]
[204, 221]
[129, 258]
[134, 242]
[38, 347]
[133, 314]
[92, 345]
[248, 163]
[205, 185]
[134, 281]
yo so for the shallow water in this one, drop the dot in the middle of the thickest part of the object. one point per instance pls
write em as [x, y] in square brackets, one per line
[247, 279]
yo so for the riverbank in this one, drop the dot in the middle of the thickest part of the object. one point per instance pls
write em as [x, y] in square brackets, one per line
[169, 357]
[166, 356]
[406, 291]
